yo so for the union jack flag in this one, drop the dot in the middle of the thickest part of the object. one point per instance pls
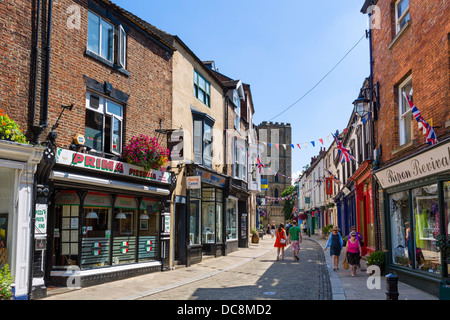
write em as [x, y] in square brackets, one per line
[344, 155]
[259, 164]
[431, 135]
[333, 176]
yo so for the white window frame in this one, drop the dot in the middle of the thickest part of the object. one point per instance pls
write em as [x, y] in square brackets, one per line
[237, 110]
[103, 109]
[398, 19]
[403, 117]
[121, 46]
[206, 90]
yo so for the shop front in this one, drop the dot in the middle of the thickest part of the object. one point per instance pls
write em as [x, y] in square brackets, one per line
[107, 220]
[18, 165]
[206, 219]
[416, 201]
[364, 206]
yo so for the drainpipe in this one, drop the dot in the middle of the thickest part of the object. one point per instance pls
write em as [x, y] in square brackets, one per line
[36, 59]
[44, 124]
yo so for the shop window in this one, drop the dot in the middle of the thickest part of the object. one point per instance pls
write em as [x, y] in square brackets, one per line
[208, 215]
[103, 124]
[194, 217]
[426, 228]
[446, 194]
[125, 230]
[231, 218]
[3, 239]
[219, 216]
[148, 230]
[203, 139]
[96, 230]
[401, 237]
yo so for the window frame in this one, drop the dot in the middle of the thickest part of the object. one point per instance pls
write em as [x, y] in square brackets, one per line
[206, 90]
[200, 141]
[404, 116]
[398, 19]
[119, 51]
[103, 109]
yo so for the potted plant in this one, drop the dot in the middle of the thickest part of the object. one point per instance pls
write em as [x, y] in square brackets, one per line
[377, 258]
[6, 281]
[255, 235]
[146, 152]
[10, 130]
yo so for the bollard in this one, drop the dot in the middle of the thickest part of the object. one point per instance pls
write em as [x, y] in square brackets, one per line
[391, 287]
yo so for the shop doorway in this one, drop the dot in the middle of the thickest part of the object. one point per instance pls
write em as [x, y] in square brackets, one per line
[180, 233]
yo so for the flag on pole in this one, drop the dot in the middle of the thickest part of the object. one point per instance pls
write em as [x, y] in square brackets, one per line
[431, 135]
[259, 164]
[333, 176]
[344, 155]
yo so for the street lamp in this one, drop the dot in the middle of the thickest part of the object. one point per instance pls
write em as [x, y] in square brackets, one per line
[362, 106]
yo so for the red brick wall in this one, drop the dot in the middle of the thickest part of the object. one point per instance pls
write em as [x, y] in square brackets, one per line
[149, 83]
[422, 50]
[15, 52]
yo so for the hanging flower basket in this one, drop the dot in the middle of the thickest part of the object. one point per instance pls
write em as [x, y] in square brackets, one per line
[10, 130]
[303, 216]
[146, 152]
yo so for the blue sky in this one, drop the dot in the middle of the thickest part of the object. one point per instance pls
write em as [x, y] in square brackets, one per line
[282, 49]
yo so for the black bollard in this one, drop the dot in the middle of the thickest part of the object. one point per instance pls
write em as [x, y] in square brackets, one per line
[391, 287]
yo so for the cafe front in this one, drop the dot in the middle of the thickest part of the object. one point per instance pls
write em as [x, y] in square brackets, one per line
[107, 220]
[415, 203]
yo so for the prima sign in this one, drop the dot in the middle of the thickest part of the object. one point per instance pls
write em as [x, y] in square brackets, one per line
[425, 164]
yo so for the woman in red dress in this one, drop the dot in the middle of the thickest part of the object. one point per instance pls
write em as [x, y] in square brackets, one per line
[280, 241]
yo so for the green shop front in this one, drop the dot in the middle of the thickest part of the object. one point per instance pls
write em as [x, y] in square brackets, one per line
[415, 203]
[107, 220]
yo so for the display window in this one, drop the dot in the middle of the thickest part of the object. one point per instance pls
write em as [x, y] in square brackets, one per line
[231, 218]
[415, 223]
[96, 230]
[7, 178]
[125, 230]
[446, 194]
[148, 230]
[194, 217]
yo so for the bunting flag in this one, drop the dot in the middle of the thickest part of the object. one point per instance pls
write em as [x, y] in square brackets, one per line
[344, 155]
[259, 164]
[431, 135]
[333, 176]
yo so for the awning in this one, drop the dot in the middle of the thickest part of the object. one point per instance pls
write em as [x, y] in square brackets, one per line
[101, 182]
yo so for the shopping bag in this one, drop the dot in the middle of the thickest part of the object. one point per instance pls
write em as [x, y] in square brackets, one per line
[345, 264]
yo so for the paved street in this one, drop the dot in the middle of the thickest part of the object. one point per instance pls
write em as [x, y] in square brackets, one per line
[248, 274]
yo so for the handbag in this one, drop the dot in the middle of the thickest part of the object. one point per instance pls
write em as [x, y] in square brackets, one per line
[345, 264]
[283, 241]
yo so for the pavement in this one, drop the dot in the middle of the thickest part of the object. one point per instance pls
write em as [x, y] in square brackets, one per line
[343, 286]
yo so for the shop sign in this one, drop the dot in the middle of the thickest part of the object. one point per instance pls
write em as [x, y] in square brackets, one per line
[175, 145]
[425, 164]
[167, 224]
[124, 202]
[210, 178]
[94, 199]
[124, 247]
[96, 248]
[264, 184]
[41, 219]
[148, 245]
[82, 160]
[67, 198]
[193, 182]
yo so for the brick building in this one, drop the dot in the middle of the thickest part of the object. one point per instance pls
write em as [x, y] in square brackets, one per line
[103, 76]
[410, 50]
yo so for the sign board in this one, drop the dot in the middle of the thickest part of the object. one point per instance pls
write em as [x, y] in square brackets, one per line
[425, 164]
[211, 178]
[175, 145]
[193, 182]
[90, 162]
[166, 223]
[40, 227]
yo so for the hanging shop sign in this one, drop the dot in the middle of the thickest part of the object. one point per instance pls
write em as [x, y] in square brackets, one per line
[90, 162]
[125, 202]
[96, 199]
[428, 163]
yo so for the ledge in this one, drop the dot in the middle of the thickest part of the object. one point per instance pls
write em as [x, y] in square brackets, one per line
[107, 62]
[399, 34]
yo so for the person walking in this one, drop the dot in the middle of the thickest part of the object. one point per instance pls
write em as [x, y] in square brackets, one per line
[280, 241]
[295, 238]
[335, 243]
[272, 229]
[353, 252]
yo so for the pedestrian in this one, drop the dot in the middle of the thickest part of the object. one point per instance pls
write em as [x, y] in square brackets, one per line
[335, 243]
[280, 241]
[359, 237]
[268, 229]
[353, 252]
[304, 227]
[295, 238]
[272, 229]
[287, 227]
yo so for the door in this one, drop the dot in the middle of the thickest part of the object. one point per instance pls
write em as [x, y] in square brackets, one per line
[180, 233]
